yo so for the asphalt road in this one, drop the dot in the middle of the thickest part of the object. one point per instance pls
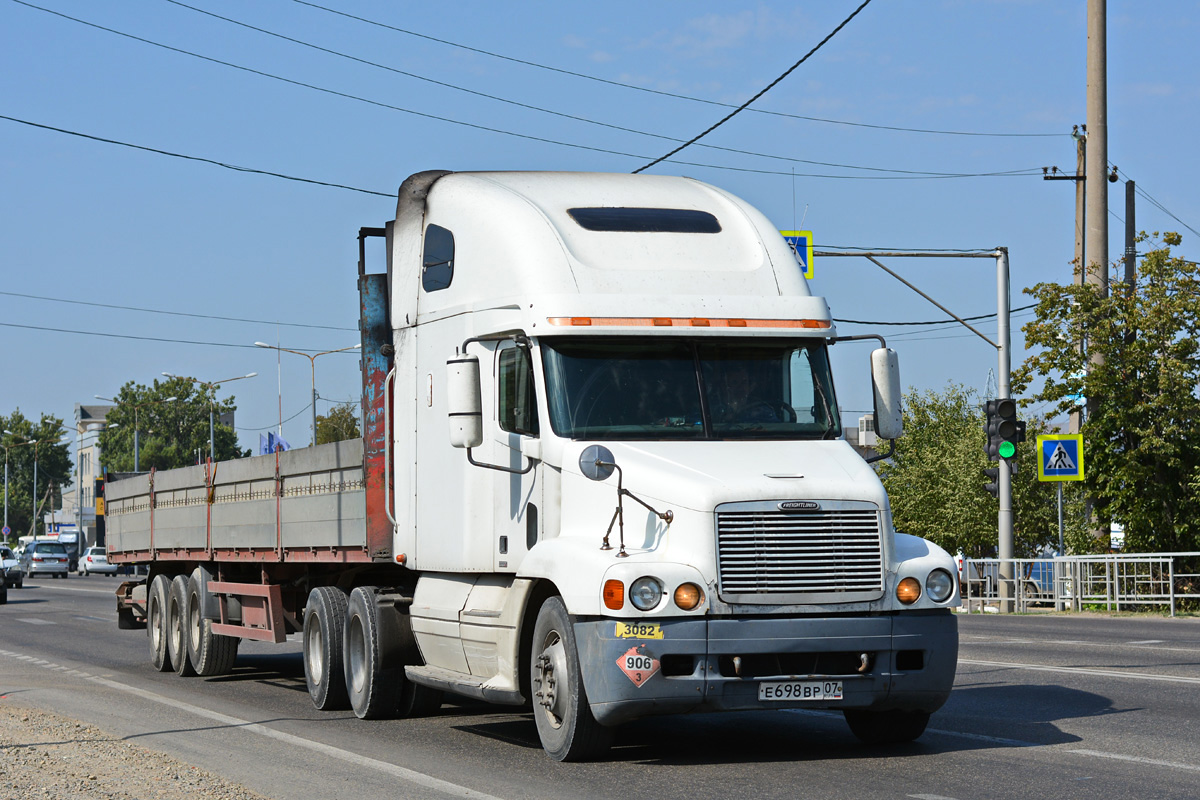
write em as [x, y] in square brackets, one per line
[1044, 706]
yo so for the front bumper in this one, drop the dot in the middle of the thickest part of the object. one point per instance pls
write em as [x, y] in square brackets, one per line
[717, 664]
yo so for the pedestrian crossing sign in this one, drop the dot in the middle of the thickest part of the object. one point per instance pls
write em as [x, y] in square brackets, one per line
[801, 243]
[1060, 457]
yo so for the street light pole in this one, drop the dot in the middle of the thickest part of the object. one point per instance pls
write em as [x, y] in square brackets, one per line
[312, 360]
[136, 407]
[212, 450]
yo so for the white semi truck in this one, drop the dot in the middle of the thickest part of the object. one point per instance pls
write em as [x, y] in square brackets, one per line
[602, 475]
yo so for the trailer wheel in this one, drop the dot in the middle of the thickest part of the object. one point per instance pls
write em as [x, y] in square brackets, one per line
[564, 719]
[210, 653]
[886, 727]
[156, 622]
[177, 627]
[324, 629]
[374, 690]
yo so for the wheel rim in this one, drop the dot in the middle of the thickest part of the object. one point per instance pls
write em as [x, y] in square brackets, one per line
[551, 677]
[312, 648]
[357, 655]
[194, 622]
[155, 624]
[176, 627]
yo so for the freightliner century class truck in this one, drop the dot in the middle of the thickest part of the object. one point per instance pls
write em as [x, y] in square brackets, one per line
[602, 476]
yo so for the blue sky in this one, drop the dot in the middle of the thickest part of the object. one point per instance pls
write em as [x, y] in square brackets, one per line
[87, 222]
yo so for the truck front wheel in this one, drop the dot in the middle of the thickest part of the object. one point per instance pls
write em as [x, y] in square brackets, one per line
[886, 727]
[564, 719]
[156, 622]
[324, 628]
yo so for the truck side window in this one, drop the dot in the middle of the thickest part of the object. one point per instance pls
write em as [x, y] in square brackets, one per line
[437, 264]
[518, 400]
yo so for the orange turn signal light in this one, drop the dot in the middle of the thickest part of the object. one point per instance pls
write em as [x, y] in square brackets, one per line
[908, 591]
[614, 595]
[688, 596]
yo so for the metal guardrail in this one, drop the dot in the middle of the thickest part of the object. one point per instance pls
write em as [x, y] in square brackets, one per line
[1073, 583]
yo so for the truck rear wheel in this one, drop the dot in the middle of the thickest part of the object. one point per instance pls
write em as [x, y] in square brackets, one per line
[210, 653]
[324, 630]
[156, 622]
[374, 689]
[886, 727]
[177, 627]
[564, 719]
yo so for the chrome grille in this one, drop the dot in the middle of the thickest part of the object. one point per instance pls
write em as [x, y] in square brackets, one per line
[769, 555]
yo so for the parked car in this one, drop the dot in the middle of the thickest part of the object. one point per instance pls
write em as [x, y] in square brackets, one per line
[95, 560]
[46, 557]
[14, 577]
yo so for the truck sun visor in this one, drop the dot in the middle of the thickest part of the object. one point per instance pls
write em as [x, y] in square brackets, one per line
[645, 220]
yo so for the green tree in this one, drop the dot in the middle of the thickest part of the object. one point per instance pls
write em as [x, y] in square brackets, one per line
[339, 424]
[935, 480]
[52, 450]
[170, 433]
[1139, 375]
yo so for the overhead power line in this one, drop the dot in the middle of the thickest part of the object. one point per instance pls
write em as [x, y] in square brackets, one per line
[541, 109]
[140, 338]
[660, 92]
[932, 322]
[766, 89]
[529, 137]
[176, 313]
[222, 164]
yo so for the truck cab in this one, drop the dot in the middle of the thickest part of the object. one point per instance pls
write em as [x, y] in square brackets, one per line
[618, 466]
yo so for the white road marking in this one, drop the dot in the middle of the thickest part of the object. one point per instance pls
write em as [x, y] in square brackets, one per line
[931, 797]
[984, 640]
[412, 776]
[1137, 759]
[1148, 641]
[1141, 676]
[35, 621]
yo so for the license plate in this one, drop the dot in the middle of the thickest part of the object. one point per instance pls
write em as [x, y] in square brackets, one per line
[800, 690]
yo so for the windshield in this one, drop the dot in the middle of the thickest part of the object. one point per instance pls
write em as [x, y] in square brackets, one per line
[620, 388]
[53, 548]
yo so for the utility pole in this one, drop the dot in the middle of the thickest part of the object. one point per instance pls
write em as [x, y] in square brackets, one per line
[1096, 240]
[1130, 240]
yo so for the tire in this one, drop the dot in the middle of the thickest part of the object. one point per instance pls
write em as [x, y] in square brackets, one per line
[210, 653]
[886, 727]
[564, 719]
[324, 631]
[177, 627]
[418, 701]
[374, 690]
[156, 622]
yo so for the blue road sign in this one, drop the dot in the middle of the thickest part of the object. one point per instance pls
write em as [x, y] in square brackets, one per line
[1060, 457]
[801, 243]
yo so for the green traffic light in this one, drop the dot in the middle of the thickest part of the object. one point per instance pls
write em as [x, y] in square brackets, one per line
[1007, 449]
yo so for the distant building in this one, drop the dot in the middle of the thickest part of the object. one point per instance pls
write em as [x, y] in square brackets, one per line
[89, 422]
[863, 438]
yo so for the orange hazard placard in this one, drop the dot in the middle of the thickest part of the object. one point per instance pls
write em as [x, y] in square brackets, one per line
[638, 666]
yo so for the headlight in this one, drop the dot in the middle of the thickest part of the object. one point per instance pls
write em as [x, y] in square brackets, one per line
[645, 593]
[940, 585]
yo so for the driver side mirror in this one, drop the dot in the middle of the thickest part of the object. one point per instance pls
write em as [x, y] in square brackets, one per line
[885, 378]
[464, 401]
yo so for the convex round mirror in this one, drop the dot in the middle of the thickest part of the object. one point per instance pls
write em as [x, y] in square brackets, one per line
[596, 462]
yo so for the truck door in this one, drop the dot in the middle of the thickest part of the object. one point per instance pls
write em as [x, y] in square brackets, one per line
[517, 496]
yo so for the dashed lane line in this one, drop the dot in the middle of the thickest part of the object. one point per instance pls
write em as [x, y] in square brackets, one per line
[1106, 673]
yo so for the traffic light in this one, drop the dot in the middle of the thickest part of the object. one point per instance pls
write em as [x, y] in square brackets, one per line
[1003, 429]
[993, 475]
